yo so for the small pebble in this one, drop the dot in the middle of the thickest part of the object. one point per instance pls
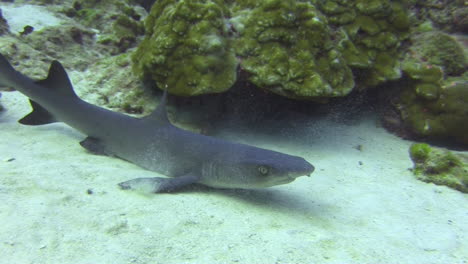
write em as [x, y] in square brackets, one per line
[358, 147]
[27, 30]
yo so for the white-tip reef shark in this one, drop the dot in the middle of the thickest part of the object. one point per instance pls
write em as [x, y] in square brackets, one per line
[152, 142]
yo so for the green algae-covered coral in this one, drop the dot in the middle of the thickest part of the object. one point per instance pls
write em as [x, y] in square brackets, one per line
[437, 111]
[286, 47]
[295, 48]
[439, 166]
[434, 104]
[420, 152]
[438, 48]
[187, 47]
[117, 22]
[110, 82]
[371, 35]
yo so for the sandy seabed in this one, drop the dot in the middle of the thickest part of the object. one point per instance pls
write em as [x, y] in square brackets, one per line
[61, 204]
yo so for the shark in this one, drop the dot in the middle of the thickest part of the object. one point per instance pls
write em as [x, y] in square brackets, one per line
[152, 142]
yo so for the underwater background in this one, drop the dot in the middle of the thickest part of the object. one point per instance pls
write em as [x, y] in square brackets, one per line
[373, 93]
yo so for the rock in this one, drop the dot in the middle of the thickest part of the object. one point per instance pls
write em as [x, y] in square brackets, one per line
[110, 82]
[460, 19]
[440, 166]
[434, 101]
[117, 23]
[187, 47]
[439, 49]
[369, 35]
[63, 43]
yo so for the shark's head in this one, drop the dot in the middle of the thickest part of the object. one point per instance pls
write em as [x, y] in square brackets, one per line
[254, 168]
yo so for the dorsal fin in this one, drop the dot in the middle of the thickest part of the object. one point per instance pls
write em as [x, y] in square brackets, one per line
[57, 80]
[159, 114]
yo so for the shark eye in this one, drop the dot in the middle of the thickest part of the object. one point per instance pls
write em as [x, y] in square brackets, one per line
[263, 170]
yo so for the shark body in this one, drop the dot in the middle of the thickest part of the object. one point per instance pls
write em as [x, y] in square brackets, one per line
[152, 142]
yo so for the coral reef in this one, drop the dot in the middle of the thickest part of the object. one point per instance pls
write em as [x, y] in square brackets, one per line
[74, 38]
[118, 23]
[62, 42]
[298, 49]
[440, 166]
[110, 82]
[433, 104]
[187, 47]
[436, 111]
[433, 95]
[438, 48]
[370, 35]
[447, 15]
[97, 75]
[146, 4]
[286, 47]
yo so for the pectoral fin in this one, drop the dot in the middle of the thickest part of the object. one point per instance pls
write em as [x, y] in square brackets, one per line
[159, 185]
[94, 146]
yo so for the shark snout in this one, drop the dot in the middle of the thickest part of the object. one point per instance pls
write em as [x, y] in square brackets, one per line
[302, 168]
[310, 169]
[306, 168]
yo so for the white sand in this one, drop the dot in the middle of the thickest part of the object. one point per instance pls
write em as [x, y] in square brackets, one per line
[346, 213]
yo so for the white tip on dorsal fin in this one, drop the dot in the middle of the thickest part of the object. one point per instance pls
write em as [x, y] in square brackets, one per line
[160, 114]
